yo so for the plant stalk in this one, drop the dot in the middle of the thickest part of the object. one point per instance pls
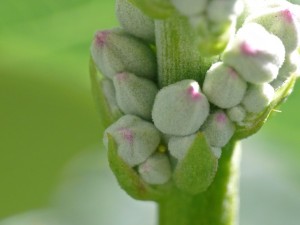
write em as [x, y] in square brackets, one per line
[216, 206]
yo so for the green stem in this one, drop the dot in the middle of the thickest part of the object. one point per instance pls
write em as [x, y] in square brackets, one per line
[216, 206]
[177, 54]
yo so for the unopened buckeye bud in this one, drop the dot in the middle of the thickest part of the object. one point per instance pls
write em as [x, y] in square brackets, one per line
[221, 11]
[289, 67]
[134, 21]
[190, 7]
[282, 22]
[237, 113]
[218, 129]
[110, 96]
[180, 109]
[258, 97]
[156, 169]
[115, 51]
[135, 95]
[255, 54]
[223, 86]
[136, 139]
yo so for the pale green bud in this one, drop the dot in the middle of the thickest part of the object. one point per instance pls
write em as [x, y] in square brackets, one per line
[258, 97]
[217, 151]
[255, 54]
[179, 146]
[156, 169]
[180, 109]
[237, 113]
[223, 86]
[289, 67]
[136, 139]
[110, 96]
[135, 95]
[134, 21]
[220, 10]
[115, 51]
[282, 22]
[190, 7]
[218, 129]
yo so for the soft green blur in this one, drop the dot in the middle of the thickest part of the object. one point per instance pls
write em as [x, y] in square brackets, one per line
[46, 110]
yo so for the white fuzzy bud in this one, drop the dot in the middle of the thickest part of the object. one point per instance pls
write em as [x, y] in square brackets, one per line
[237, 113]
[180, 109]
[218, 129]
[136, 139]
[258, 97]
[255, 54]
[223, 86]
[190, 7]
[179, 146]
[156, 169]
[135, 95]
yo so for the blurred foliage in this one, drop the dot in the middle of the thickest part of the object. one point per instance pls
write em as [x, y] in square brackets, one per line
[46, 110]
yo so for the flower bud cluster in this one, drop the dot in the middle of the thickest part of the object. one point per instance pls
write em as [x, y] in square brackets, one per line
[159, 126]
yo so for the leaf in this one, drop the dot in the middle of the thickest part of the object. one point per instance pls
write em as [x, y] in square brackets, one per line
[197, 170]
[253, 124]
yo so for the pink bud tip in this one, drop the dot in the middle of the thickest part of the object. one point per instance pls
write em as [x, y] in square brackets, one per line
[247, 49]
[126, 134]
[101, 37]
[221, 118]
[287, 15]
[122, 76]
[193, 91]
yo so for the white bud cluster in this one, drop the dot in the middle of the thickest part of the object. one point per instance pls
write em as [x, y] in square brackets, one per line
[159, 126]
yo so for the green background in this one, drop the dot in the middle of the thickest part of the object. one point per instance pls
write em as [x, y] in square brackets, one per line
[47, 114]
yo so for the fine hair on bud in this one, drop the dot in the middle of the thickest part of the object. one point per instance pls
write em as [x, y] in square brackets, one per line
[134, 21]
[237, 113]
[190, 7]
[258, 97]
[282, 22]
[218, 129]
[180, 108]
[156, 169]
[115, 51]
[135, 95]
[255, 54]
[223, 86]
[136, 139]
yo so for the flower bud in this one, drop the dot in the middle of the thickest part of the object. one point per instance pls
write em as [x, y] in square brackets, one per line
[236, 113]
[179, 146]
[110, 96]
[289, 67]
[282, 22]
[156, 169]
[255, 54]
[134, 21]
[218, 129]
[115, 51]
[223, 86]
[220, 10]
[180, 109]
[217, 151]
[135, 95]
[136, 139]
[258, 97]
[190, 7]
